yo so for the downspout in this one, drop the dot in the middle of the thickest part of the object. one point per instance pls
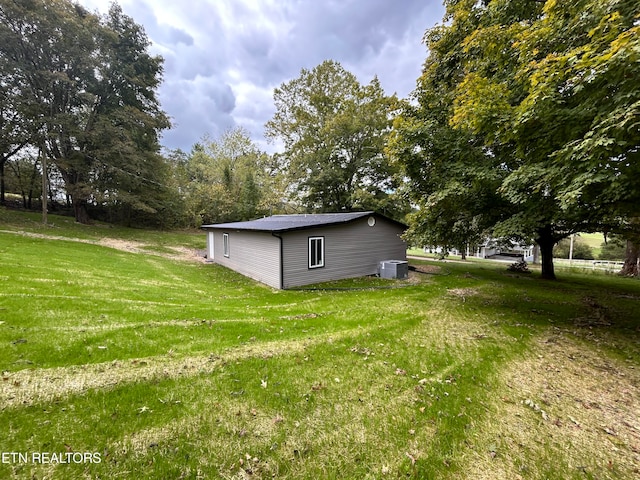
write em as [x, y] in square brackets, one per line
[281, 260]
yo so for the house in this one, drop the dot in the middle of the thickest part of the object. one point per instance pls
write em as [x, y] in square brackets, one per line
[495, 249]
[505, 250]
[285, 251]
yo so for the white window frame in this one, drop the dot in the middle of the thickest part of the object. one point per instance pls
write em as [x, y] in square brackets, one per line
[313, 241]
[225, 244]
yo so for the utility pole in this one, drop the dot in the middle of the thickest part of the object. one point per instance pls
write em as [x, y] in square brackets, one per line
[571, 248]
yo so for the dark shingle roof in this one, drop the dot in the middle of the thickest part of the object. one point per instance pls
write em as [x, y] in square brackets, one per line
[284, 223]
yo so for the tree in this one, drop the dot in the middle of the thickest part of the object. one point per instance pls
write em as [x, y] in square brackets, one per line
[525, 81]
[589, 88]
[86, 87]
[613, 248]
[631, 267]
[581, 250]
[24, 176]
[334, 130]
[449, 177]
[227, 179]
[13, 132]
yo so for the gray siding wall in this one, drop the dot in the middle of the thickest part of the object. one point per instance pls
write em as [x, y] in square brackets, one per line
[351, 250]
[253, 254]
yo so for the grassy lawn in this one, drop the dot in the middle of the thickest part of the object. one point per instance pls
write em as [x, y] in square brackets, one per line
[116, 343]
[594, 240]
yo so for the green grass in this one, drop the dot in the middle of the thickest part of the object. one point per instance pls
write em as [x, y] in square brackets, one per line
[169, 368]
[19, 221]
[594, 240]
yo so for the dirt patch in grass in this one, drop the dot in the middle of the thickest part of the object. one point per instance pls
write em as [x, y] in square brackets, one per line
[126, 246]
[597, 316]
[27, 387]
[568, 409]
[428, 269]
[462, 292]
[173, 252]
[444, 328]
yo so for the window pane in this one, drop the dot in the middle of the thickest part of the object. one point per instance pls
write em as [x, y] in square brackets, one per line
[314, 255]
[316, 252]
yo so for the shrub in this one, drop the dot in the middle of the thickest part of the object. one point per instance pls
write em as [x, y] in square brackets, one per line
[613, 249]
[580, 249]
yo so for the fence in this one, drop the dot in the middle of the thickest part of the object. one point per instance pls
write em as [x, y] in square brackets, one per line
[605, 265]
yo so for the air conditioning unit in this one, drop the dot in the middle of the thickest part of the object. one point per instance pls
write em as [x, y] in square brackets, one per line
[398, 269]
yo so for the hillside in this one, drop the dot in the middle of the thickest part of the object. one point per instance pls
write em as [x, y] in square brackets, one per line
[120, 344]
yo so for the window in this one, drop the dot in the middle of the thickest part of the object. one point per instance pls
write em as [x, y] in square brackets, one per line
[316, 252]
[225, 244]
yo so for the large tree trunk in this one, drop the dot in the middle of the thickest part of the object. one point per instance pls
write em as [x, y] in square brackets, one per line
[80, 211]
[77, 191]
[546, 242]
[630, 267]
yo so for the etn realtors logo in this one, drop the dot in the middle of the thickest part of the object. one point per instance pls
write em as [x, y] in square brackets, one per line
[50, 457]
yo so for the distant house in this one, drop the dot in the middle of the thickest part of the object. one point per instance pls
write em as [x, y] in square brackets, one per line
[491, 248]
[285, 251]
[505, 250]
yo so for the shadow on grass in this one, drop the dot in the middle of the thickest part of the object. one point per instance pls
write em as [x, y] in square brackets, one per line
[594, 306]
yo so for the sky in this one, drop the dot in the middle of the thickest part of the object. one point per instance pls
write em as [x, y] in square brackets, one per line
[223, 58]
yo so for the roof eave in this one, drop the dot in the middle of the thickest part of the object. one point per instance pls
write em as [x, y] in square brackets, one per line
[230, 226]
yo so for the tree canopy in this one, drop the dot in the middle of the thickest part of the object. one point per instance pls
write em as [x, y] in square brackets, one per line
[81, 89]
[334, 131]
[227, 179]
[527, 114]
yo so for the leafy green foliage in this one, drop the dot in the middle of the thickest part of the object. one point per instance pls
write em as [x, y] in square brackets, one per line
[85, 86]
[227, 180]
[581, 250]
[613, 249]
[334, 131]
[23, 176]
[545, 93]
